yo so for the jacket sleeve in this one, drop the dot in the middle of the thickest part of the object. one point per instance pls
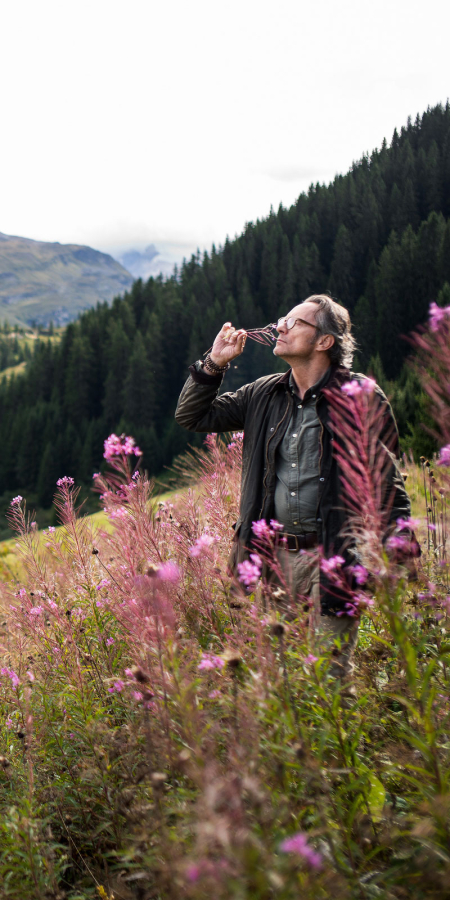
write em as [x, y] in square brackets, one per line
[200, 409]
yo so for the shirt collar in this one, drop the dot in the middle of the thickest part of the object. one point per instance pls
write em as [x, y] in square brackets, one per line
[315, 389]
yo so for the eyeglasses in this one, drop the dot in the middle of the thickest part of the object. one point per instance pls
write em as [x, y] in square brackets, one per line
[290, 321]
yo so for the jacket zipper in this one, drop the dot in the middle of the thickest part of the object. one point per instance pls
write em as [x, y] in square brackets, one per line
[267, 456]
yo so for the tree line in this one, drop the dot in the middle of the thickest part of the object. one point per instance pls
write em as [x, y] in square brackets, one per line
[377, 238]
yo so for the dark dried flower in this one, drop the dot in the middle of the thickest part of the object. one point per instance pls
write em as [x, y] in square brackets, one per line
[4, 763]
[139, 675]
[277, 628]
[232, 659]
[94, 551]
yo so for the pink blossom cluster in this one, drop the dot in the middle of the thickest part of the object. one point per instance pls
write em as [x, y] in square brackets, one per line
[356, 387]
[202, 545]
[16, 501]
[120, 446]
[15, 680]
[261, 529]
[298, 844]
[250, 570]
[437, 315]
[330, 565]
[66, 481]
[444, 456]
[169, 572]
[360, 574]
[210, 661]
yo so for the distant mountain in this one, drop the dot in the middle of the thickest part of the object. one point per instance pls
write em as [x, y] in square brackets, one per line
[42, 282]
[147, 263]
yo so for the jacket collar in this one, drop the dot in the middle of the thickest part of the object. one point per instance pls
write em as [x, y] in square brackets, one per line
[339, 375]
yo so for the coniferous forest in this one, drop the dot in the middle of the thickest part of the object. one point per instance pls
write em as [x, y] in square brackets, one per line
[377, 238]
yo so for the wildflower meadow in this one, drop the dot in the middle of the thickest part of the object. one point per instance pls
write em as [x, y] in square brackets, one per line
[167, 731]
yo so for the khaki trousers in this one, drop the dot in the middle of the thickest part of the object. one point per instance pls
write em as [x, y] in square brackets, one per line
[301, 573]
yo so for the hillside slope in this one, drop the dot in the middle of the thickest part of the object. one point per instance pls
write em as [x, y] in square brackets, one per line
[42, 282]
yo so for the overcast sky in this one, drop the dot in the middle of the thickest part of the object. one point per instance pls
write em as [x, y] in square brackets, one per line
[175, 123]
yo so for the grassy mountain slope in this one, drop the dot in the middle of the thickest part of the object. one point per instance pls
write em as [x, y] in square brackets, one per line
[42, 282]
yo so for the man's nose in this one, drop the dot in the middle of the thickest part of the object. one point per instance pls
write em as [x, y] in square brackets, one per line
[281, 327]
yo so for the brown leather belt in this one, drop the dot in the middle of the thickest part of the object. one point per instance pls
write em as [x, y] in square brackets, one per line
[300, 541]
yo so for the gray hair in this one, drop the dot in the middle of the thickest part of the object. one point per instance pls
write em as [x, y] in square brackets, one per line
[332, 318]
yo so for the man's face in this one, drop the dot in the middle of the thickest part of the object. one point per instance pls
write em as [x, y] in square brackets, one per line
[300, 341]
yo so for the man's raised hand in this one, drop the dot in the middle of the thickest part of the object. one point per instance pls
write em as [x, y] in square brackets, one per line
[228, 344]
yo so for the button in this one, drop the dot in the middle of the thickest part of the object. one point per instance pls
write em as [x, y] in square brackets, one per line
[295, 523]
[314, 396]
[272, 429]
[321, 479]
[293, 495]
[319, 520]
[300, 406]
[294, 435]
[294, 465]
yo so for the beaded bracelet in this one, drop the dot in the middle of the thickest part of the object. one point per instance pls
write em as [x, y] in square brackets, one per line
[218, 370]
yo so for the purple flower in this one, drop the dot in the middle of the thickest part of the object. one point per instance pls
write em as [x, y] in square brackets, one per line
[16, 501]
[261, 529]
[330, 565]
[250, 570]
[117, 687]
[298, 844]
[210, 661]
[120, 446]
[397, 542]
[66, 481]
[202, 545]
[15, 680]
[169, 571]
[444, 457]
[276, 526]
[361, 574]
[355, 387]
[310, 659]
[437, 315]
[408, 523]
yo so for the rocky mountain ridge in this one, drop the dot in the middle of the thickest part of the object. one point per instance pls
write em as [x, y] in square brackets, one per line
[42, 282]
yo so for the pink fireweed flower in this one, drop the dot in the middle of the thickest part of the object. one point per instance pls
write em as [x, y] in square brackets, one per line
[355, 388]
[261, 529]
[202, 545]
[250, 570]
[444, 457]
[408, 523]
[360, 573]
[397, 542]
[169, 572]
[16, 501]
[120, 446]
[210, 661]
[15, 680]
[117, 687]
[103, 583]
[330, 565]
[276, 526]
[298, 844]
[36, 611]
[310, 659]
[66, 481]
[437, 315]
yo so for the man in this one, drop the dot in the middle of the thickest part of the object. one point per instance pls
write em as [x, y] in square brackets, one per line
[289, 470]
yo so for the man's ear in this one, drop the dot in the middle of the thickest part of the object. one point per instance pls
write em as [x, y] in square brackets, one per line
[326, 342]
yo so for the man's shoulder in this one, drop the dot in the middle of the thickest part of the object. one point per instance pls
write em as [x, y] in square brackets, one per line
[267, 383]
